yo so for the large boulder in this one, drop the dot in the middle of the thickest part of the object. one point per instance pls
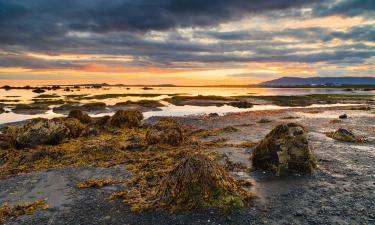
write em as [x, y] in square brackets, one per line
[285, 150]
[165, 131]
[126, 118]
[79, 115]
[41, 131]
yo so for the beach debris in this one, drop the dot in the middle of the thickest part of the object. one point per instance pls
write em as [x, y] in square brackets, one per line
[165, 131]
[285, 149]
[343, 134]
[38, 131]
[343, 116]
[28, 208]
[97, 183]
[196, 182]
[126, 118]
[78, 114]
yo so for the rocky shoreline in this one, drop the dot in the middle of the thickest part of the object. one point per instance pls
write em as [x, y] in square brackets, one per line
[340, 190]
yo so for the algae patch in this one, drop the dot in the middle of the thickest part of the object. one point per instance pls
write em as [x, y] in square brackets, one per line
[7, 211]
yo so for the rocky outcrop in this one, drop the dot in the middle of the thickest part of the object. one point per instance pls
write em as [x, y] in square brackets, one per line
[285, 150]
[165, 131]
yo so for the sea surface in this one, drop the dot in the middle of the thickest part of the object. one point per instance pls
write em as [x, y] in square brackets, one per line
[21, 96]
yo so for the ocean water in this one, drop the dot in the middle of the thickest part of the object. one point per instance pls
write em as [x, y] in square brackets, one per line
[20, 96]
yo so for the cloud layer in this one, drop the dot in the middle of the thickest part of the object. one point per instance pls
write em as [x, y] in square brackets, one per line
[324, 37]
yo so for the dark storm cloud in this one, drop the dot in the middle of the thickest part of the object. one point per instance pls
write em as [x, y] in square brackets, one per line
[123, 27]
[346, 7]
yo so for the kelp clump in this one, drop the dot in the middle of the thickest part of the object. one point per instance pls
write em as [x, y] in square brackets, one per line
[165, 131]
[285, 149]
[28, 208]
[195, 182]
[79, 115]
[38, 131]
[126, 118]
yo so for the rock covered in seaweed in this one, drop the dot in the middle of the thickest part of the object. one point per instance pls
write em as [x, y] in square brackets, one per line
[285, 149]
[126, 118]
[165, 131]
[196, 182]
[78, 114]
[344, 135]
[75, 127]
[40, 131]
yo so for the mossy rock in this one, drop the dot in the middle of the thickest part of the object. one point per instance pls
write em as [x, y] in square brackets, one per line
[78, 114]
[285, 150]
[165, 131]
[126, 118]
[197, 182]
[75, 127]
[40, 131]
[344, 135]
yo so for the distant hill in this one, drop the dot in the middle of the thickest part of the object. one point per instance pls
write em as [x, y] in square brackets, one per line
[295, 81]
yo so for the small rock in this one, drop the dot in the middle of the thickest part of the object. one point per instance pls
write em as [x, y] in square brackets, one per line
[343, 116]
[344, 135]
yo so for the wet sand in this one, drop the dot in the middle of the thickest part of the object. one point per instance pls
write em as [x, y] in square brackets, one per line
[341, 191]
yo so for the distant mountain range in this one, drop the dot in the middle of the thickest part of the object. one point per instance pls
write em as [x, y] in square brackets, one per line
[295, 81]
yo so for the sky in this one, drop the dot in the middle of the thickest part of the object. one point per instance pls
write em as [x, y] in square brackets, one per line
[183, 42]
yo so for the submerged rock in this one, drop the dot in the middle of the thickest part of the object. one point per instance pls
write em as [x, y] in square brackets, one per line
[344, 135]
[165, 131]
[41, 131]
[126, 118]
[197, 182]
[78, 114]
[285, 149]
